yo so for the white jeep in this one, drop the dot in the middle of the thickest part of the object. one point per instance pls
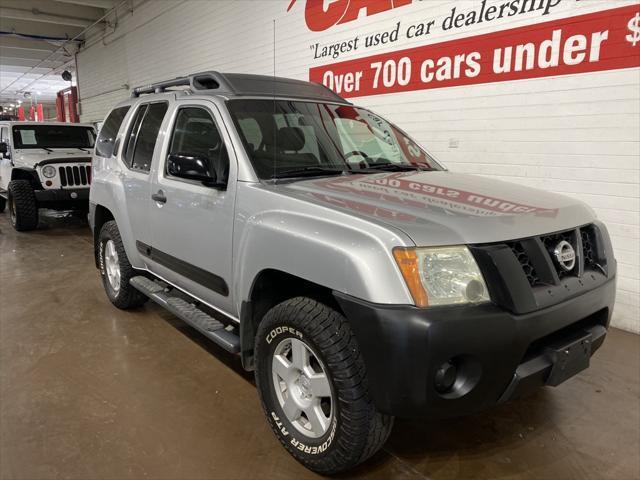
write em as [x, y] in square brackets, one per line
[44, 165]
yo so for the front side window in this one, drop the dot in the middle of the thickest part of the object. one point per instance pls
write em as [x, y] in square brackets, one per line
[4, 135]
[195, 134]
[143, 134]
[289, 137]
[109, 132]
[53, 136]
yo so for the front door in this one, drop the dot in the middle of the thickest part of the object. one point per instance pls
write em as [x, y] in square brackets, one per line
[192, 224]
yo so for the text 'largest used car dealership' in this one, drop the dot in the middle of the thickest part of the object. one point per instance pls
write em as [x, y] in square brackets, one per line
[381, 239]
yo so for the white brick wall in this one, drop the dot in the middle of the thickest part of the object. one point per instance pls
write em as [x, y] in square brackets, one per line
[576, 134]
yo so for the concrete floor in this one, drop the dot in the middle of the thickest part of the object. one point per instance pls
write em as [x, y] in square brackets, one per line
[90, 392]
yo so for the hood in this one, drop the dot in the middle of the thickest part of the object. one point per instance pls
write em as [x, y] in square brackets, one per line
[30, 156]
[445, 208]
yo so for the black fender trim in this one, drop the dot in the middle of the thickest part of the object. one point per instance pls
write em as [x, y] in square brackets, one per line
[25, 173]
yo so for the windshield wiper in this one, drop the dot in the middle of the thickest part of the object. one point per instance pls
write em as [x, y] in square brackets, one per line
[47, 149]
[393, 167]
[308, 172]
[80, 148]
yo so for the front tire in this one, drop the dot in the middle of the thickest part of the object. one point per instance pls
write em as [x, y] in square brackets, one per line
[115, 269]
[23, 208]
[312, 383]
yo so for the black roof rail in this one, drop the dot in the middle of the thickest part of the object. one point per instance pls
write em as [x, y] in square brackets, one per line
[244, 84]
[198, 81]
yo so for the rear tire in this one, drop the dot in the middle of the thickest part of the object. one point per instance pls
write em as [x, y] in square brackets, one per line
[23, 208]
[329, 391]
[115, 269]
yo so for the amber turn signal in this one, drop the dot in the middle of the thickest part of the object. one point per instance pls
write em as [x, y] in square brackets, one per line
[407, 260]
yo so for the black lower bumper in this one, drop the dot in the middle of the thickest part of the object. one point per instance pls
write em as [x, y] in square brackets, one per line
[62, 199]
[497, 355]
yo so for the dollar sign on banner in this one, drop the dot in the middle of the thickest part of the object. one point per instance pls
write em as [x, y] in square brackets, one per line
[634, 26]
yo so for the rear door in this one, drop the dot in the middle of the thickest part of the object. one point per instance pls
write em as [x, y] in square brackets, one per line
[143, 135]
[192, 228]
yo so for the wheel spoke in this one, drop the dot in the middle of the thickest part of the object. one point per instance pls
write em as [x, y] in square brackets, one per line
[320, 385]
[291, 409]
[319, 423]
[282, 367]
[299, 354]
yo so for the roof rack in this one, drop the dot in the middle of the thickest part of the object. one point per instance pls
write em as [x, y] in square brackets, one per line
[239, 84]
[197, 81]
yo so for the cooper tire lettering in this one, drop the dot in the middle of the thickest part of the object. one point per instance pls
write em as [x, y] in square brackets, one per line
[280, 330]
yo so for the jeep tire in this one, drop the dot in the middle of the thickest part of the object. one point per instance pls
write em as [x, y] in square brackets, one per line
[115, 269]
[3, 203]
[313, 387]
[23, 208]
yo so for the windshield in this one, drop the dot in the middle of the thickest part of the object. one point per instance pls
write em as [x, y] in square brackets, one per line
[289, 137]
[53, 136]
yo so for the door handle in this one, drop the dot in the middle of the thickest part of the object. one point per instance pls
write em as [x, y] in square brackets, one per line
[159, 197]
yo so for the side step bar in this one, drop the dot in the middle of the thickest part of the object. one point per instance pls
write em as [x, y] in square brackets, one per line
[205, 324]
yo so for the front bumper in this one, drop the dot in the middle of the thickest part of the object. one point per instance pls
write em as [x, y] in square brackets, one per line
[498, 355]
[62, 198]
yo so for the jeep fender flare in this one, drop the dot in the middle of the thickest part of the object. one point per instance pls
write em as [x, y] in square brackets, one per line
[29, 174]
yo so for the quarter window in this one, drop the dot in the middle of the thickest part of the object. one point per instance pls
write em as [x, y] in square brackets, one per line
[130, 144]
[109, 132]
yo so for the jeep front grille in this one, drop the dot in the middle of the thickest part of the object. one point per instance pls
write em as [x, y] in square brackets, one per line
[75, 176]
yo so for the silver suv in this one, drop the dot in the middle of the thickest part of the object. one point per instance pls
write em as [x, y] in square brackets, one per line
[359, 278]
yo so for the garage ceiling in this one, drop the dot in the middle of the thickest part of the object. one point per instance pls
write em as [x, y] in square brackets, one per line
[37, 44]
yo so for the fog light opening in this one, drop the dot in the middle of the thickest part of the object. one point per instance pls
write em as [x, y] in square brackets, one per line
[457, 376]
[446, 377]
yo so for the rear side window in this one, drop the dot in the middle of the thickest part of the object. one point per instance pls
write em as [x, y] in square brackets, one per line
[143, 136]
[109, 132]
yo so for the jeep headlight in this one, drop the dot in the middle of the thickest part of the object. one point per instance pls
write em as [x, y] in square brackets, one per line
[441, 275]
[49, 171]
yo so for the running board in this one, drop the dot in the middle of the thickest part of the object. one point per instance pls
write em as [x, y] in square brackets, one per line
[204, 323]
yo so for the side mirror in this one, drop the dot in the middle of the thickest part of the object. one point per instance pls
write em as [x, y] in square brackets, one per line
[193, 167]
[4, 149]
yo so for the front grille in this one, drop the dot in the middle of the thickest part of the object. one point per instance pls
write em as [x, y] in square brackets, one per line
[583, 240]
[589, 250]
[550, 242]
[525, 262]
[524, 275]
[75, 176]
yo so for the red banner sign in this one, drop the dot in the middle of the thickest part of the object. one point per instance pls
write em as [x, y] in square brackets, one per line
[604, 40]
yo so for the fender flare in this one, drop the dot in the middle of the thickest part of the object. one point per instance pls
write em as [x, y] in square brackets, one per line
[26, 173]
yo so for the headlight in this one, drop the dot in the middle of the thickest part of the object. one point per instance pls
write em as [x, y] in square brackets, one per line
[49, 171]
[441, 275]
